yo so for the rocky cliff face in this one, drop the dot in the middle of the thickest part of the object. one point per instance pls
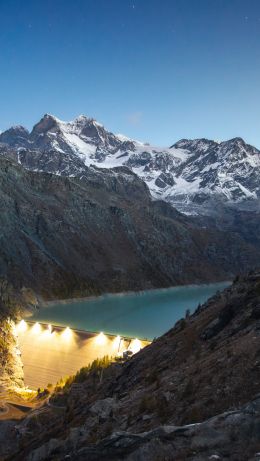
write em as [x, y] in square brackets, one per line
[204, 371]
[102, 232]
[11, 368]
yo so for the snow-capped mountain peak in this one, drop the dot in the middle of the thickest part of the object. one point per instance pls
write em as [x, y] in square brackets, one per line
[15, 135]
[188, 174]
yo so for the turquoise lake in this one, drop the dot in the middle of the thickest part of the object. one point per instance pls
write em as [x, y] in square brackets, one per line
[146, 314]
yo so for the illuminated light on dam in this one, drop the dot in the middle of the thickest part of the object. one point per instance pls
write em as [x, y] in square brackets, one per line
[135, 346]
[36, 329]
[21, 327]
[67, 334]
[48, 333]
[101, 339]
[61, 351]
[117, 343]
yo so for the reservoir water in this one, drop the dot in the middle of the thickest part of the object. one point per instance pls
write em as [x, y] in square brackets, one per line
[145, 314]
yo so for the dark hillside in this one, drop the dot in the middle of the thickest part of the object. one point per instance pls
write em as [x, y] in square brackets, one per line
[68, 237]
[207, 365]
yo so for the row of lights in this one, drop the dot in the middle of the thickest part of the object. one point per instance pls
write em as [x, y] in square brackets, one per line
[67, 334]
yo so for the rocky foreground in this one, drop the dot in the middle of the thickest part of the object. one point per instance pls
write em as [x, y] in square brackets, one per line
[193, 394]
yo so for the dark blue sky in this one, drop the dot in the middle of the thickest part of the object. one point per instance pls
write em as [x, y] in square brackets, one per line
[156, 70]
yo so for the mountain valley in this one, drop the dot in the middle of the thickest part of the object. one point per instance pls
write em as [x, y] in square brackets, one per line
[86, 212]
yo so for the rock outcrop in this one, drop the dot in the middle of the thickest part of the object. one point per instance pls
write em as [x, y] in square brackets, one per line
[11, 368]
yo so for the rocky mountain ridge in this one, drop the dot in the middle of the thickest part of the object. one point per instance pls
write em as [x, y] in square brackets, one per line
[67, 237]
[191, 174]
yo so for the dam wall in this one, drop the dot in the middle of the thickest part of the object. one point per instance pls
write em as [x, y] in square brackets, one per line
[51, 352]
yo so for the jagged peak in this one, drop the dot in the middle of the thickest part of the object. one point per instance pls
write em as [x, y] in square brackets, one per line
[186, 143]
[47, 122]
[84, 119]
[48, 115]
[81, 119]
[14, 135]
[236, 140]
[52, 117]
[18, 128]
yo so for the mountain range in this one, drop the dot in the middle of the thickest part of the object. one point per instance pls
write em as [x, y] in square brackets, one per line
[190, 174]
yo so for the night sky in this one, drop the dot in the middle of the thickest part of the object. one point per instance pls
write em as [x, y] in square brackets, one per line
[154, 70]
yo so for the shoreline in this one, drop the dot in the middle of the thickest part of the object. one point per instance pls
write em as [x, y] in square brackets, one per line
[103, 306]
[50, 303]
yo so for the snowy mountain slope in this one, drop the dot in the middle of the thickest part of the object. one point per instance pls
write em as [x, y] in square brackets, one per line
[190, 174]
[228, 172]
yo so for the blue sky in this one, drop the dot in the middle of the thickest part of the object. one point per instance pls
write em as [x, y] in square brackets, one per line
[155, 70]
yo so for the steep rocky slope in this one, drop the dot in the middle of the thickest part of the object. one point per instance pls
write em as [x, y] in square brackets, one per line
[11, 368]
[207, 365]
[191, 174]
[67, 236]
